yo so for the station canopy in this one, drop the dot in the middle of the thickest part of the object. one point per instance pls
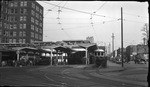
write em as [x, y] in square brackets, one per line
[100, 50]
[69, 49]
[25, 48]
[90, 47]
[58, 48]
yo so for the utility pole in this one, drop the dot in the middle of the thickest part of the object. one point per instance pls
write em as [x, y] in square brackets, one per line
[113, 43]
[122, 37]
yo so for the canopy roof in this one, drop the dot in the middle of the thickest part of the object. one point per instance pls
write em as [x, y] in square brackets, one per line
[25, 48]
[100, 50]
[90, 47]
[59, 48]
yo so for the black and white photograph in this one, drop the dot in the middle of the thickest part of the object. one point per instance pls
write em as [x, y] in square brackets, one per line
[54, 43]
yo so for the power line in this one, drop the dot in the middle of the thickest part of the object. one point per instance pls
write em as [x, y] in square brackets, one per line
[80, 11]
[52, 8]
[59, 10]
[99, 7]
[133, 21]
[135, 15]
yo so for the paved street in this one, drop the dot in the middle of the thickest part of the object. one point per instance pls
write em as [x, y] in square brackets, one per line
[75, 76]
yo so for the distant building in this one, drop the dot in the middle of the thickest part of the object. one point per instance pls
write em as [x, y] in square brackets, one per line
[41, 43]
[130, 51]
[91, 39]
[119, 52]
[142, 49]
[133, 50]
[20, 21]
[74, 42]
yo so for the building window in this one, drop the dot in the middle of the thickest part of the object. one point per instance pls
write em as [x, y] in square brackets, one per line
[24, 41]
[14, 34]
[21, 26]
[1, 8]
[31, 40]
[40, 24]
[37, 8]
[12, 18]
[6, 10]
[10, 40]
[32, 27]
[40, 37]
[14, 40]
[21, 18]
[15, 26]
[23, 11]
[24, 33]
[21, 3]
[15, 18]
[33, 5]
[40, 17]
[25, 18]
[37, 15]
[15, 11]
[8, 26]
[5, 17]
[36, 29]
[25, 3]
[11, 33]
[32, 34]
[32, 12]
[36, 36]
[20, 40]
[5, 25]
[11, 4]
[41, 31]
[36, 22]
[11, 11]
[41, 11]
[20, 34]
[11, 26]
[15, 4]
[6, 2]
[32, 19]
[24, 26]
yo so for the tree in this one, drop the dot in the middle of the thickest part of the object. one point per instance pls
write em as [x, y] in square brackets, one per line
[145, 33]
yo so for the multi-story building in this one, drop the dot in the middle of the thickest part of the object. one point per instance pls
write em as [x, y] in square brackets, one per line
[21, 21]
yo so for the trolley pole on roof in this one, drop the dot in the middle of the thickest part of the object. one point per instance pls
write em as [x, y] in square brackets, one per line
[122, 37]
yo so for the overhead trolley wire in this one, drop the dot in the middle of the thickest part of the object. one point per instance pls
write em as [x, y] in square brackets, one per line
[99, 7]
[79, 10]
[51, 9]
[135, 15]
[59, 10]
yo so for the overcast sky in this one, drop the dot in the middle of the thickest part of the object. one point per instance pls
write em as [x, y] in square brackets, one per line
[74, 22]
